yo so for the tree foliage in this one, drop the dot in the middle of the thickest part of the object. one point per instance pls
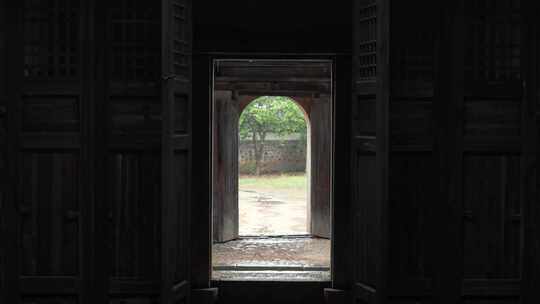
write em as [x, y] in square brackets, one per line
[270, 115]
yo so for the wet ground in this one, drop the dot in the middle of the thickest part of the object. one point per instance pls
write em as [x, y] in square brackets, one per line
[274, 244]
[272, 211]
[272, 258]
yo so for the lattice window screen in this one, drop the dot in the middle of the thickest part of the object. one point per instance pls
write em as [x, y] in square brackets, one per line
[51, 38]
[415, 56]
[134, 39]
[366, 36]
[493, 40]
[181, 39]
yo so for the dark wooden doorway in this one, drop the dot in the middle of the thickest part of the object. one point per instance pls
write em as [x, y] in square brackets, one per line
[236, 84]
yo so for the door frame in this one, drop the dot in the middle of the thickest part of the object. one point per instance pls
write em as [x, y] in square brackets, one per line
[341, 272]
[318, 207]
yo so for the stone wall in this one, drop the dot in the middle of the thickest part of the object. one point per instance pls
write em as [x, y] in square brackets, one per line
[280, 156]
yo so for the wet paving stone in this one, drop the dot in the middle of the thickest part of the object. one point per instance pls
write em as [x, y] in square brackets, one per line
[273, 252]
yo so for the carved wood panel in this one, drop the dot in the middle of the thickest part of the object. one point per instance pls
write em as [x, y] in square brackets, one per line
[134, 215]
[493, 41]
[51, 39]
[134, 38]
[49, 214]
[411, 201]
[365, 42]
[492, 219]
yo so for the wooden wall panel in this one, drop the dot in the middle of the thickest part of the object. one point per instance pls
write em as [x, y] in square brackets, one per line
[364, 116]
[135, 115]
[492, 122]
[49, 214]
[365, 224]
[135, 194]
[181, 184]
[412, 124]
[133, 125]
[51, 114]
[492, 219]
[411, 201]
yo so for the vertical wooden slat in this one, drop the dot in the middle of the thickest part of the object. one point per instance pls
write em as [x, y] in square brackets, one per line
[13, 84]
[529, 164]
[100, 123]
[342, 245]
[177, 152]
[384, 44]
[86, 195]
[448, 122]
[202, 198]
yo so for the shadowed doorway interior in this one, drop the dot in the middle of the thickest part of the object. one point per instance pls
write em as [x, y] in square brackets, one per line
[272, 128]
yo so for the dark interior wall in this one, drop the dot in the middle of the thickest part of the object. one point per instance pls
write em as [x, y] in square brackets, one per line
[133, 122]
[2, 137]
[456, 151]
[272, 26]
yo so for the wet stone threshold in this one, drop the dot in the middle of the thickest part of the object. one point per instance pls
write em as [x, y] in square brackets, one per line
[270, 275]
[285, 258]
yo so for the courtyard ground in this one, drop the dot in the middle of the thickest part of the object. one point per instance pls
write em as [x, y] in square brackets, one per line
[273, 227]
[273, 205]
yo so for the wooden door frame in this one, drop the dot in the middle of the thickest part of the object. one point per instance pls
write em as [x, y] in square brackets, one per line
[318, 227]
[202, 202]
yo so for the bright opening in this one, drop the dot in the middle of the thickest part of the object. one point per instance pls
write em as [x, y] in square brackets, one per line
[273, 186]
[271, 170]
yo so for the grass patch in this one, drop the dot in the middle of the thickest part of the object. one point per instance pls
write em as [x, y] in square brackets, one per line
[285, 181]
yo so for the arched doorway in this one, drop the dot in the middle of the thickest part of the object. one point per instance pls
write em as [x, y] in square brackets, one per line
[227, 110]
[306, 85]
[274, 179]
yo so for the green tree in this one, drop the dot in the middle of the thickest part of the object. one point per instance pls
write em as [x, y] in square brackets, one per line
[270, 114]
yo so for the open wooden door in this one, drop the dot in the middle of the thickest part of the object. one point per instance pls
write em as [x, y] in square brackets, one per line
[225, 198]
[321, 144]
[176, 149]
[369, 150]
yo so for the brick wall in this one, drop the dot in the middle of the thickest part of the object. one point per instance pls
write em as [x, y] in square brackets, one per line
[280, 156]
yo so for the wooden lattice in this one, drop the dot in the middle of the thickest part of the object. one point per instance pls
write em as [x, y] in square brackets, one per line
[51, 38]
[180, 39]
[366, 36]
[493, 40]
[134, 40]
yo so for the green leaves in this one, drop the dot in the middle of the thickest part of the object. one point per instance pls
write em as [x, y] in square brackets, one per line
[271, 114]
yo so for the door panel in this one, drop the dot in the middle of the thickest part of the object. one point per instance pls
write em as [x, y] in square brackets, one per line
[369, 149]
[225, 200]
[176, 149]
[320, 164]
